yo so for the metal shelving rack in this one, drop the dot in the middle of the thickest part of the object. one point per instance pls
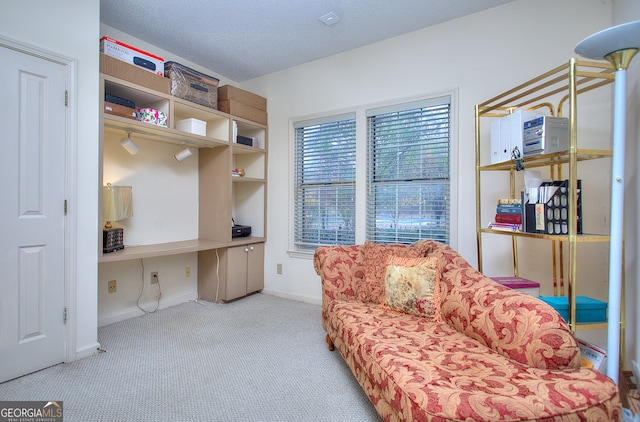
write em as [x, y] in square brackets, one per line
[563, 83]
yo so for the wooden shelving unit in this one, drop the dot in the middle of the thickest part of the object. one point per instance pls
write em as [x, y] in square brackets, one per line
[221, 195]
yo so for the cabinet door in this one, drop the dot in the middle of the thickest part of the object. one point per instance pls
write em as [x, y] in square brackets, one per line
[236, 282]
[255, 267]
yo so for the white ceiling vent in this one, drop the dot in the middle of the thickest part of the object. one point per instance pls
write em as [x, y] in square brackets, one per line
[329, 19]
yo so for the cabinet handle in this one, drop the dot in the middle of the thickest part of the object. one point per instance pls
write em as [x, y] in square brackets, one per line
[246, 249]
[250, 248]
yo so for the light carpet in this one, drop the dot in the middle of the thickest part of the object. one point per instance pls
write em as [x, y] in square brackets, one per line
[260, 358]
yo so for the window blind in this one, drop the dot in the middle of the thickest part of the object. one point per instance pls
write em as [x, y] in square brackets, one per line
[408, 172]
[325, 161]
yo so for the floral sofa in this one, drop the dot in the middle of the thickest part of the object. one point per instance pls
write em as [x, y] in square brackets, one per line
[472, 351]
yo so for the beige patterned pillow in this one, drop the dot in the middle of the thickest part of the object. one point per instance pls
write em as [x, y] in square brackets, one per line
[412, 285]
[376, 255]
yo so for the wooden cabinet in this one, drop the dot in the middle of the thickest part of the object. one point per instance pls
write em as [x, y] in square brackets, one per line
[221, 196]
[245, 270]
[230, 273]
[556, 92]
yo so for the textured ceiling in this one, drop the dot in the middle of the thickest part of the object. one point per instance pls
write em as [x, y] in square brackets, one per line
[244, 39]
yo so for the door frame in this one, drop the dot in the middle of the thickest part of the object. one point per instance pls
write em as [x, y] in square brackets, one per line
[70, 183]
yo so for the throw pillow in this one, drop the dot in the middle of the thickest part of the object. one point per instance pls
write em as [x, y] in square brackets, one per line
[371, 289]
[412, 285]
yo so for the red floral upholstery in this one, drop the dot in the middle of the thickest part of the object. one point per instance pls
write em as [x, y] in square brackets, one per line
[498, 355]
[514, 324]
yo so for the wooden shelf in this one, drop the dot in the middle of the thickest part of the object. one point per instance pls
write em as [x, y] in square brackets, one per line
[160, 249]
[245, 179]
[173, 248]
[246, 149]
[158, 133]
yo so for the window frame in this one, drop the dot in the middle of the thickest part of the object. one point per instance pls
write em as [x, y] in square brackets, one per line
[361, 168]
[335, 185]
[419, 183]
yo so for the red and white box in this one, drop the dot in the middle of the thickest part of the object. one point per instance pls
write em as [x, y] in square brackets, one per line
[132, 55]
[592, 355]
[521, 284]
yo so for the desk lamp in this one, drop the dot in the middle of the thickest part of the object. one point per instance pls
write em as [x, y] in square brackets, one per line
[117, 204]
[617, 45]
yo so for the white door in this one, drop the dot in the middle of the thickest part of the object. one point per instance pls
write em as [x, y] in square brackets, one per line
[32, 248]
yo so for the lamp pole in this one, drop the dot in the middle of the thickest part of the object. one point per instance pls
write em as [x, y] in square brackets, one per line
[617, 45]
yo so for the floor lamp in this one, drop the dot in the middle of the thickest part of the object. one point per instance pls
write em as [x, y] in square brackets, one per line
[617, 45]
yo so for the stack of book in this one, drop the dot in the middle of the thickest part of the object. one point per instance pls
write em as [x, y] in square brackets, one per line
[508, 215]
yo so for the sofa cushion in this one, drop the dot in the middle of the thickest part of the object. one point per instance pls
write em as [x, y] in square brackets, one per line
[412, 285]
[371, 289]
[430, 371]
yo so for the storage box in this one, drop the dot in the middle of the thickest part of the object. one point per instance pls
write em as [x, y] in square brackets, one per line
[521, 284]
[151, 115]
[132, 55]
[229, 92]
[120, 110]
[592, 356]
[587, 309]
[192, 85]
[242, 110]
[198, 127]
[130, 73]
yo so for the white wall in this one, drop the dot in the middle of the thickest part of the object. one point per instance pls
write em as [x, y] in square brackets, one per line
[165, 209]
[70, 28]
[480, 56]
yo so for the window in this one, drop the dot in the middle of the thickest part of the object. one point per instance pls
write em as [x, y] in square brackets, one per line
[408, 177]
[325, 179]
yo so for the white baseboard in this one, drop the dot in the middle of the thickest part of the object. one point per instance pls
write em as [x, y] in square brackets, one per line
[87, 351]
[136, 312]
[299, 298]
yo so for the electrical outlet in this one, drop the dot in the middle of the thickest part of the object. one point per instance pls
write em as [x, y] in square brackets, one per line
[187, 272]
[279, 268]
[154, 277]
[112, 286]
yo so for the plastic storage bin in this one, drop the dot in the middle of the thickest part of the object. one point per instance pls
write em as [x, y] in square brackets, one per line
[192, 85]
[587, 309]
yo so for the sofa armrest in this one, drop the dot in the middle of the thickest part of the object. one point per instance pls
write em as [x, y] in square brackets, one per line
[516, 325]
[340, 268]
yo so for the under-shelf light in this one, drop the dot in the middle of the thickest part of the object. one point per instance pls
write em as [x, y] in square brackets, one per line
[128, 144]
[183, 154]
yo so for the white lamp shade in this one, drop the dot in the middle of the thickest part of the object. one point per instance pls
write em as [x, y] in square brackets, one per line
[117, 202]
[607, 41]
